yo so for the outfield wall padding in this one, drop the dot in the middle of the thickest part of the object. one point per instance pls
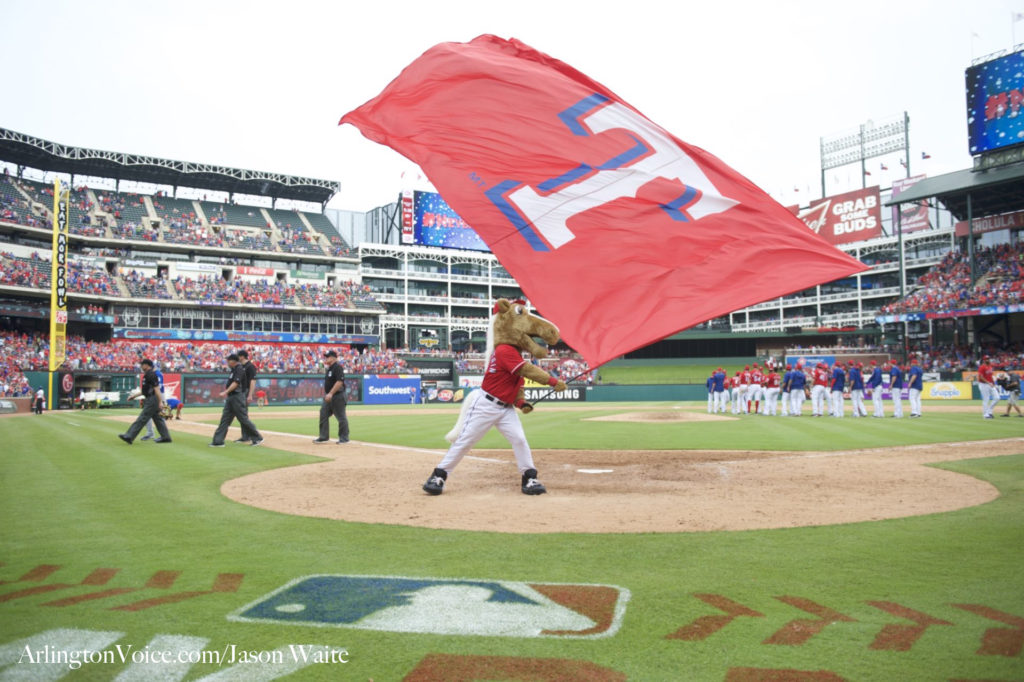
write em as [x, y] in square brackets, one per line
[645, 392]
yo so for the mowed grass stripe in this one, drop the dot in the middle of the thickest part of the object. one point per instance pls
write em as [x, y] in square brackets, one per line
[575, 430]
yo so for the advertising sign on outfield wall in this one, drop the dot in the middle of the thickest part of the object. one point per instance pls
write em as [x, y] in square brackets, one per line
[391, 389]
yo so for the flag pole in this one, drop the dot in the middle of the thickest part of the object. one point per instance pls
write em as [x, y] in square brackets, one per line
[572, 379]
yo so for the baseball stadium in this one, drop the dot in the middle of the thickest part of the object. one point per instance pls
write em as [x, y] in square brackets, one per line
[821, 484]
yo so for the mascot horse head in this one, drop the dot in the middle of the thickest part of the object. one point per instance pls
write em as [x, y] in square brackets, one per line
[513, 324]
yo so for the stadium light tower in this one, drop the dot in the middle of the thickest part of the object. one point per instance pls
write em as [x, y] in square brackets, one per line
[869, 141]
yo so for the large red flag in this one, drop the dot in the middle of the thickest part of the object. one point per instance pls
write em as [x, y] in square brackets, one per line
[618, 232]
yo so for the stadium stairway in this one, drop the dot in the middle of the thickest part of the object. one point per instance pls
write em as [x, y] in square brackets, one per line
[321, 239]
[97, 213]
[151, 211]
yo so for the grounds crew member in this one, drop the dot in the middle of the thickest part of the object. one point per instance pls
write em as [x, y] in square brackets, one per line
[152, 404]
[1010, 382]
[247, 391]
[37, 405]
[334, 400]
[234, 405]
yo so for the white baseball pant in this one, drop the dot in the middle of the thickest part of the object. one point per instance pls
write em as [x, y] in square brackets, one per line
[989, 398]
[838, 407]
[480, 417]
[796, 404]
[915, 401]
[818, 393]
[771, 398]
[897, 402]
[857, 397]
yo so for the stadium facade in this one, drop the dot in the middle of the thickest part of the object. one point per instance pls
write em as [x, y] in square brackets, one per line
[388, 284]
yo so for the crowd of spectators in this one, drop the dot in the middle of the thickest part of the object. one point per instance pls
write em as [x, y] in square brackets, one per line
[950, 358]
[19, 272]
[23, 352]
[297, 240]
[145, 286]
[948, 286]
[234, 291]
[84, 278]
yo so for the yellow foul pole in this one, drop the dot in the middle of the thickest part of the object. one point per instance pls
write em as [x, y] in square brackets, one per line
[59, 281]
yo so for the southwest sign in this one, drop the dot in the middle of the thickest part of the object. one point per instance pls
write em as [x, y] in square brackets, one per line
[443, 606]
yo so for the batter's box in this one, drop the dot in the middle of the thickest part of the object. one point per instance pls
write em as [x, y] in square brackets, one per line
[443, 606]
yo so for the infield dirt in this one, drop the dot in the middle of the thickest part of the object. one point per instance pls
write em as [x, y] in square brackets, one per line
[621, 491]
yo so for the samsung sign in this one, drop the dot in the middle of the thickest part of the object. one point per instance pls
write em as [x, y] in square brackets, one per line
[395, 389]
[572, 393]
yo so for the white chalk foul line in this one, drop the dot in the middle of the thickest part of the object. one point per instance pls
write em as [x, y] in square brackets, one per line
[400, 448]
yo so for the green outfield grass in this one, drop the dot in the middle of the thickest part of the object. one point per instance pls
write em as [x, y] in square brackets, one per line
[660, 374]
[73, 496]
[551, 428]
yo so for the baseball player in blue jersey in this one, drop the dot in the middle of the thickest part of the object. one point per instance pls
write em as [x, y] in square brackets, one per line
[720, 395]
[797, 382]
[838, 385]
[915, 380]
[896, 386]
[710, 383]
[875, 385]
[784, 394]
[857, 390]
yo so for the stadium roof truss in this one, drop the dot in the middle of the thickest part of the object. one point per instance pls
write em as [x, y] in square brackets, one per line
[989, 192]
[25, 150]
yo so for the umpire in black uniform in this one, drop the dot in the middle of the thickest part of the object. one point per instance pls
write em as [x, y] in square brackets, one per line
[247, 391]
[334, 400]
[151, 406]
[234, 405]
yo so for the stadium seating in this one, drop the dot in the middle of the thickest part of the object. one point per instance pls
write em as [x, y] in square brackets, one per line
[145, 286]
[253, 240]
[13, 207]
[947, 286]
[130, 219]
[232, 214]
[27, 352]
[320, 223]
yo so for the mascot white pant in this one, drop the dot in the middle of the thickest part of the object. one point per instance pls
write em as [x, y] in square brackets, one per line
[476, 418]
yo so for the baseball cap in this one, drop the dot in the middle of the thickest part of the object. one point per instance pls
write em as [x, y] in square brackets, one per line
[747, 367]
[146, 361]
[243, 354]
[330, 354]
[233, 356]
[789, 367]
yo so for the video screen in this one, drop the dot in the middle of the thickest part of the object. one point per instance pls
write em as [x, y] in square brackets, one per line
[995, 93]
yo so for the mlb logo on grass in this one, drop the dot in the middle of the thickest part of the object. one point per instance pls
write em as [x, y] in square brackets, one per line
[497, 608]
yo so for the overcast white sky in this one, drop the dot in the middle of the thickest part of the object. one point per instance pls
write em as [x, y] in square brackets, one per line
[262, 84]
